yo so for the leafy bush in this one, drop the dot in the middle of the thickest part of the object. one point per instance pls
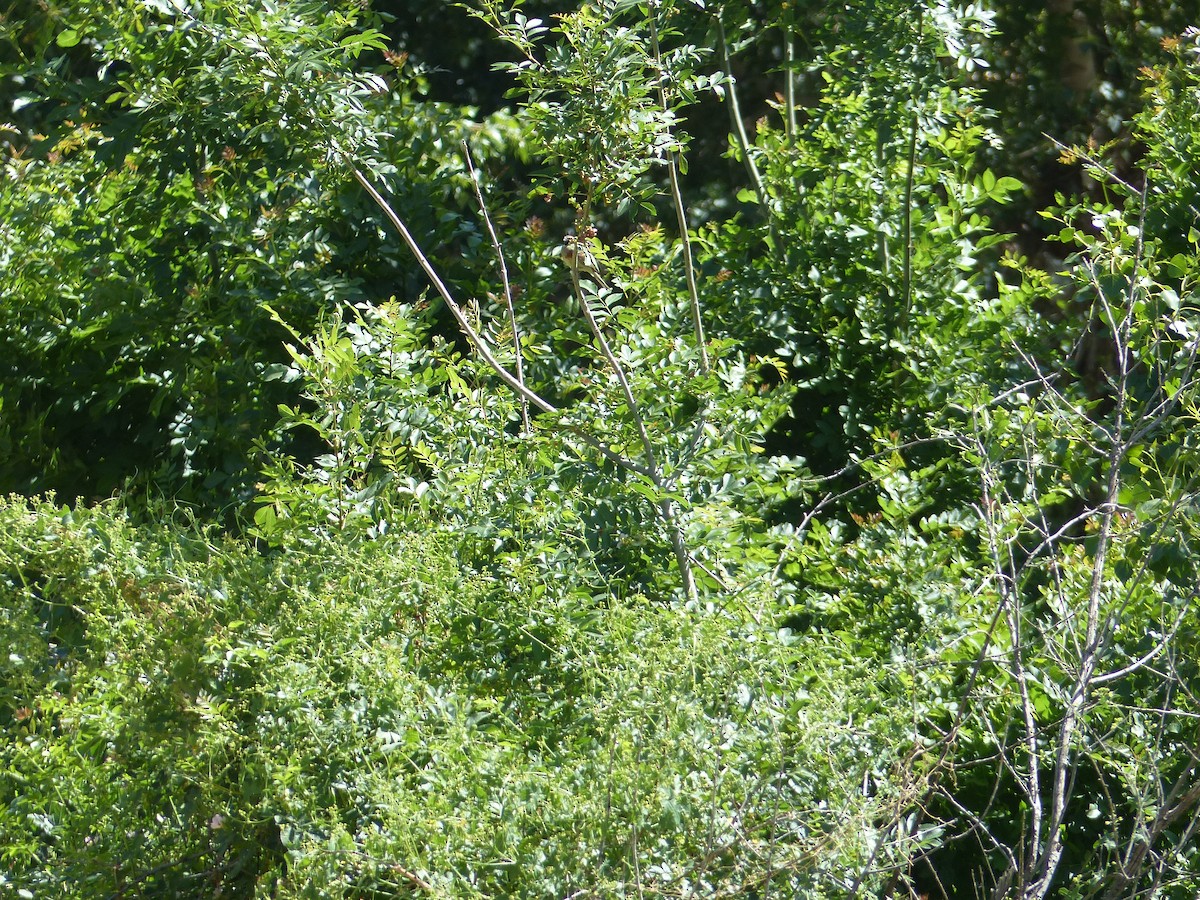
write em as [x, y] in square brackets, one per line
[186, 716]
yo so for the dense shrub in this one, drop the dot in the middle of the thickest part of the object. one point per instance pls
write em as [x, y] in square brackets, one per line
[185, 716]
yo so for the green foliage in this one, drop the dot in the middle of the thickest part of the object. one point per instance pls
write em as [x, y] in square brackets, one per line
[871, 257]
[593, 86]
[1070, 70]
[184, 716]
[165, 193]
[418, 434]
[666, 425]
[454, 655]
[1046, 612]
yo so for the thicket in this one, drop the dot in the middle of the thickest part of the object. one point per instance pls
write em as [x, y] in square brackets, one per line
[577, 497]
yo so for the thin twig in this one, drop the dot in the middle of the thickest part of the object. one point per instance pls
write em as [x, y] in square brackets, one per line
[789, 83]
[518, 364]
[910, 177]
[685, 240]
[735, 119]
